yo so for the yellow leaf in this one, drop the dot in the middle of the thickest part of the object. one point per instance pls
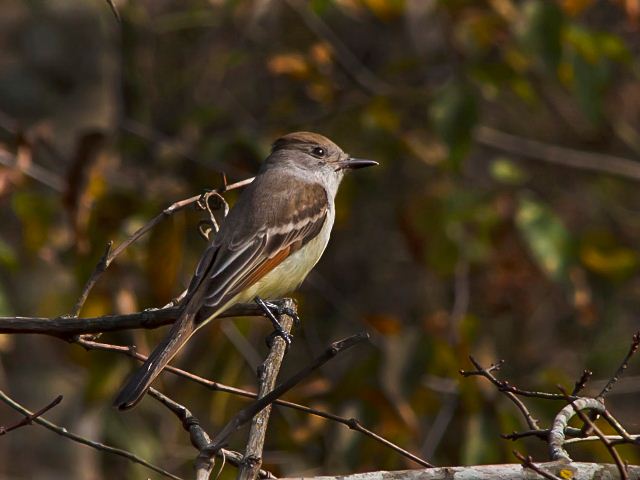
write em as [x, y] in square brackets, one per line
[321, 53]
[292, 64]
[566, 474]
[609, 261]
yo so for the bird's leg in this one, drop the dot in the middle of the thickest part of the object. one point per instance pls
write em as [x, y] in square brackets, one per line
[277, 308]
[272, 311]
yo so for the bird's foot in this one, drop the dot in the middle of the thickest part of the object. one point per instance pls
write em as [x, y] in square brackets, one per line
[273, 310]
[278, 308]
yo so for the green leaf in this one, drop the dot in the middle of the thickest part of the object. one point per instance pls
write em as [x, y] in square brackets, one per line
[453, 114]
[545, 235]
[7, 255]
[543, 30]
[506, 171]
[36, 212]
[591, 56]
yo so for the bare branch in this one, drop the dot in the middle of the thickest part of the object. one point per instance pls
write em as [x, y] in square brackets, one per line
[198, 436]
[513, 471]
[595, 162]
[67, 327]
[612, 439]
[28, 419]
[350, 62]
[622, 468]
[503, 387]
[267, 375]
[527, 462]
[248, 412]
[77, 438]
[581, 382]
[167, 212]
[113, 8]
[352, 423]
[635, 343]
[31, 169]
[97, 271]
[557, 432]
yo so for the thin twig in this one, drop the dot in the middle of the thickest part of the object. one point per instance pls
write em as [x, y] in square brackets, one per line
[350, 62]
[505, 386]
[113, 8]
[32, 170]
[484, 372]
[97, 271]
[581, 382]
[595, 162]
[635, 343]
[351, 423]
[612, 439]
[77, 438]
[28, 419]
[198, 436]
[542, 434]
[633, 348]
[617, 426]
[248, 412]
[167, 212]
[624, 474]
[527, 462]
[267, 376]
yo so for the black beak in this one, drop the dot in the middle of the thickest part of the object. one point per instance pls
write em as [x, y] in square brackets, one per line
[353, 163]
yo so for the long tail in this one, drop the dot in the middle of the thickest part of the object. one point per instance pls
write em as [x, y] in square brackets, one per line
[138, 383]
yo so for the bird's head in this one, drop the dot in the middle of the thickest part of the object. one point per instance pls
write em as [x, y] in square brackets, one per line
[314, 154]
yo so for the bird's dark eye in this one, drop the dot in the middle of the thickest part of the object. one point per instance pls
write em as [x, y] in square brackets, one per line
[319, 152]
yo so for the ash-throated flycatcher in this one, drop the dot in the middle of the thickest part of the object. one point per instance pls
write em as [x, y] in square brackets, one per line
[266, 245]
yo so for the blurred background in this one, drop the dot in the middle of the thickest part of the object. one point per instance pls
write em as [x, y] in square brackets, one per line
[503, 221]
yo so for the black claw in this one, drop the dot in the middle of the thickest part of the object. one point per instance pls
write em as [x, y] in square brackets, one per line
[278, 310]
[272, 311]
[291, 313]
[287, 337]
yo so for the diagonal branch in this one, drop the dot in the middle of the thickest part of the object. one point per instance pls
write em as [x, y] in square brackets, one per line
[633, 348]
[77, 438]
[527, 462]
[486, 372]
[244, 415]
[114, 10]
[352, 423]
[198, 436]
[110, 255]
[28, 419]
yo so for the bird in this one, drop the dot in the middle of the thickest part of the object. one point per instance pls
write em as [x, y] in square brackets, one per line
[266, 245]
